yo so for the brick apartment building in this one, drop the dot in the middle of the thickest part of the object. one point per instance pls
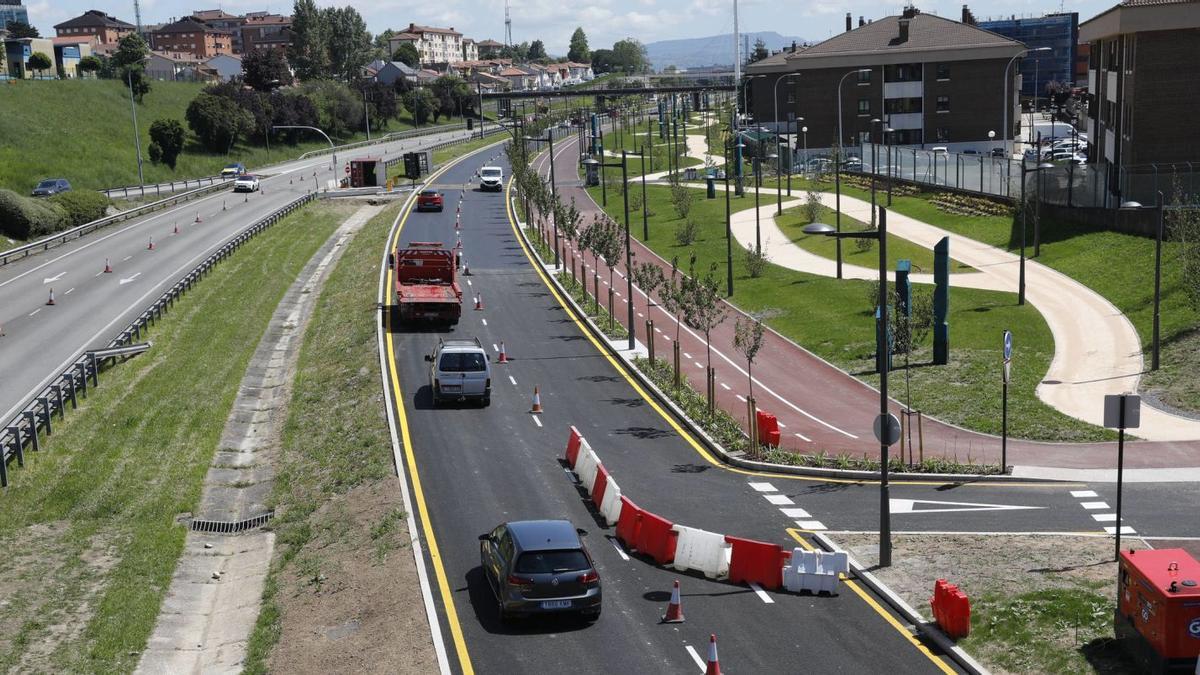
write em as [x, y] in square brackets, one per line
[188, 35]
[1142, 93]
[262, 30]
[934, 80]
[222, 20]
[107, 30]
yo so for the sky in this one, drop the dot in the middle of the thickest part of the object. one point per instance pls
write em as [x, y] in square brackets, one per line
[604, 21]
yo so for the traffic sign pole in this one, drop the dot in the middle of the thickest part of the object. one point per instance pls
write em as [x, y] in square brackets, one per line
[1004, 404]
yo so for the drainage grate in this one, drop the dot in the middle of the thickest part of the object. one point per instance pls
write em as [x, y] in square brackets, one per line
[231, 526]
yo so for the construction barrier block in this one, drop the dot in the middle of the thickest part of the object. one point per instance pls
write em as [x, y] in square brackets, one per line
[703, 551]
[610, 506]
[586, 468]
[767, 423]
[655, 538]
[573, 443]
[773, 438]
[598, 488]
[757, 562]
[815, 571]
[629, 523]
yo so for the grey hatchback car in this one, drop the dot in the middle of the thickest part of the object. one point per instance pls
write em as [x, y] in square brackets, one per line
[540, 567]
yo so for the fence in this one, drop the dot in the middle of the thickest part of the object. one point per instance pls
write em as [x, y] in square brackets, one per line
[159, 188]
[38, 411]
[63, 237]
[983, 174]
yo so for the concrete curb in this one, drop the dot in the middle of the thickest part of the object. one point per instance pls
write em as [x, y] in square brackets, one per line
[958, 654]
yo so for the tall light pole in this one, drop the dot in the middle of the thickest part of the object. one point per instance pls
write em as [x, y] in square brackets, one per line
[778, 150]
[137, 141]
[745, 105]
[837, 168]
[1024, 215]
[1007, 133]
[1158, 237]
[333, 166]
[874, 164]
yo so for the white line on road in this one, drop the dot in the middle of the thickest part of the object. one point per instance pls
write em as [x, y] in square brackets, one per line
[641, 316]
[740, 398]
[536, 420]
[98, 273]
[696, 657]
[513, 380]
[657, 329]
[726, 387]
[495, 347]
[35, 311]
[698, 364]
[126, 258]
[1125, 529]
[687, 355]
[1104, 517]
[469, 283]
[781, 425]
[763, 487]
[803, 437]
[810, 525]
[796, 513]
[779, 500]
[762, 595]
[69, 291]
[1094, 505]
[484, 321]
[1084, 493]
[620, 551]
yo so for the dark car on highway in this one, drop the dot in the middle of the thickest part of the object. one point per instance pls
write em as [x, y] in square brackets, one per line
[429, 200]
[540, 567]
[51, 186]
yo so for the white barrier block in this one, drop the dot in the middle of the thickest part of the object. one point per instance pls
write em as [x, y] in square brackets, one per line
[703, 551]
[610, 506]
[586, 469]
[583, 448]
[814, 571]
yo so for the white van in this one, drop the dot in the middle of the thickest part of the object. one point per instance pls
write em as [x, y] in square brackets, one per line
[491, 178]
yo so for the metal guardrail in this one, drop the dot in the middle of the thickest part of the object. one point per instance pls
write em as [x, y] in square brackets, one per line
[23, 430]
[394, 136]
[158, 188]
[63, 237]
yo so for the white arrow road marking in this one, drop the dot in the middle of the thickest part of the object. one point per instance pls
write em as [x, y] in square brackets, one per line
[130, 279]
[906, 506]
[50, 280]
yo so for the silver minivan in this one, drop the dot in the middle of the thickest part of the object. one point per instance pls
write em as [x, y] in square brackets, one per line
[459, 369]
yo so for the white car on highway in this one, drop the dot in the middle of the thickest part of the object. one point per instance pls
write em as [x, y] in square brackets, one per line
[491, 178]
[246, 183]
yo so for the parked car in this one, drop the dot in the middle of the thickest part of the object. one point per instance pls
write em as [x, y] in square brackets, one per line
[970, 152]
[51, 186]
[540, 567]
[459, 369]
[246, 183]
[430, 200]
[491, 178]
[564, 125]
[999, 152]
[852, 164]
[234, 169]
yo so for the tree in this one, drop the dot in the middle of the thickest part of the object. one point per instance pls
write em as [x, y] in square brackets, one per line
[129, 63]
[166, 141]
[609, 244]
[909, 329]
[451, 93]
[748, 340]
[1183, 224]
[265, 69]
[629, 56]
[348, 43]
[308, 52]
[603, 61]
[380, 49]
[407, 54]
[681, 196]
[578, 51]
[420, 104]
[217, 121]
[20, 29]
[760, 51]
[382, 100]
[90, 64]
[537, 50]
[40, 63]
[703, 308]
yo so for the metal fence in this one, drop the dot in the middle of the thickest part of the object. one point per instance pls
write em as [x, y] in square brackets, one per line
[22, 431]
[159, 188]
[63, 237]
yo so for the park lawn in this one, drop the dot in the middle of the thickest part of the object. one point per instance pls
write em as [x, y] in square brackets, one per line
[835, 320]
[633, 140]
[92, 517]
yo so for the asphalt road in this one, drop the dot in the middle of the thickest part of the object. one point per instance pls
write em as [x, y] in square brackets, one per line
[476, 467]
[91, 307]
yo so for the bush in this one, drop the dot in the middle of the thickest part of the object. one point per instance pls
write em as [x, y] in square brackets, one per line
[217, 121]
[25, 218]
[756, 263]
[686, 232]
[82, 206]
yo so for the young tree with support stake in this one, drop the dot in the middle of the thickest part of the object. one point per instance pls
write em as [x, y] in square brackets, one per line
[704, 311]
[748, 340]
[610, 245]
[674, 301]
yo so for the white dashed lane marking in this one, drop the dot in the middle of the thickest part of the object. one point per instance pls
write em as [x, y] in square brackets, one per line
[779, 500]
[762, 595]
[1083, 493]
[1094, 505]
[763, 487]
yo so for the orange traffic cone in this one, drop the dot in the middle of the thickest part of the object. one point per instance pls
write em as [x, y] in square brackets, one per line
[537, 402]
[107, 267]
[150, 246]
[198, 220]
[478, 302]
[176, 230]
[503, 357]
[674, 609]
[714, 666]
[51, 300]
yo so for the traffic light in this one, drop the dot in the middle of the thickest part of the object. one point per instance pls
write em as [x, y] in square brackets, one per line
[412, 165]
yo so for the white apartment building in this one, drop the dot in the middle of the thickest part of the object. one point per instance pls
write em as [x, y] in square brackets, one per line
[434, 45]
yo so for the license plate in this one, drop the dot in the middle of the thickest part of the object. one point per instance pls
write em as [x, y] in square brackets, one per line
[556, 604]
[450, 387]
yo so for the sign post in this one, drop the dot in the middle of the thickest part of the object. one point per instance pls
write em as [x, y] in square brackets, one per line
[1004, 405]
[1121, 412]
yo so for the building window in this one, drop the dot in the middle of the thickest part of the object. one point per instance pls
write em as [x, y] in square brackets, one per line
[864, 77]
[864, 106]
[943, 135]
[902, 72]
[943, 71]
[943, 104]
[899, 106]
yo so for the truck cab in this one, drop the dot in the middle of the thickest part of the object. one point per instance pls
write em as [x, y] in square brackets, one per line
[491, 178]
[460, 370]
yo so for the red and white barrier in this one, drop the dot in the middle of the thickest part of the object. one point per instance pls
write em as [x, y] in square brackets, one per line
[703, 551]
[586, 466]
[610, 506]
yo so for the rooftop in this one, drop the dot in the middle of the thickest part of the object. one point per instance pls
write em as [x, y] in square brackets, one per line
[94, 18]
[414, 28]
[190, 24]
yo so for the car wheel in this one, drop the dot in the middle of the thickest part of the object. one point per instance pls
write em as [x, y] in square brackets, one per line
[501, 613]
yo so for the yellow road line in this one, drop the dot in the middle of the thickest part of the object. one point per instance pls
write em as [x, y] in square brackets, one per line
[435, 557]
[887, 616]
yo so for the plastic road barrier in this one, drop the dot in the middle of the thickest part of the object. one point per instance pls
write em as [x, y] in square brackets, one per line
[655, 538]
[586, 467]
[768, 428]
[757, 562]
[951, 609]
[573, 443]
[815, 571]
[610, 506]
[703, 551]
[598, 489]
[629, 523]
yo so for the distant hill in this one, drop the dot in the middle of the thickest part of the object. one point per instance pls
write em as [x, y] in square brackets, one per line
[708, 51]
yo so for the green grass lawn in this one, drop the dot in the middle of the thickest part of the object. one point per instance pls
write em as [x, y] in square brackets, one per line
[92, 517]
[835, 320]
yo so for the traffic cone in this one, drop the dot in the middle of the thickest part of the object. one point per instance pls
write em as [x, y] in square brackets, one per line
[537, 402]
[478, 301]
[223, 207]
[246, 200]
[51, 300]
[466, 269]
[714, 666]
[503, 357]
[198, 220]
[674, 610]
[176, 231]
[150, 246]
[107, 267]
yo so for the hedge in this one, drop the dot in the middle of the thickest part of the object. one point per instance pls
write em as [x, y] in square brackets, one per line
[24, 218]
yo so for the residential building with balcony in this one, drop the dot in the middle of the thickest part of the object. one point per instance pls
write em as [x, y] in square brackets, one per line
[192, 36]
[12, 10]
[434, 45]
[261, 30]
[224, 21]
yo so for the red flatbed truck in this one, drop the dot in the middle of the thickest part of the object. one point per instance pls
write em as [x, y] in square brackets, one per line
[426, 283]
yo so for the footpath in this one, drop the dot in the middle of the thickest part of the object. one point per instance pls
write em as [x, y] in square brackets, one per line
[821, 408]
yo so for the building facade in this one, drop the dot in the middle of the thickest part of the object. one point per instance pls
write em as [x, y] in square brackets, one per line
[68, 52]
[434, 45]
[261, 31]
[1142, 91]
[191, 36]
[106, 29]
[934, 81]
[12, 10]
[17, 52]
[1059, 32]
[222, 20]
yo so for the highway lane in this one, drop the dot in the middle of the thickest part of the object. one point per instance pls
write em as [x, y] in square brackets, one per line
[477, 467]
[91, 307]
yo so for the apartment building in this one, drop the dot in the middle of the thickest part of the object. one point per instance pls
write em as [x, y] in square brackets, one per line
[107, 30]
[262, 30]
[189, 35]
[224, 21]
[434, 45]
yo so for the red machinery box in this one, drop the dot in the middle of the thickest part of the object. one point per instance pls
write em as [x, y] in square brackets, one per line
[1159, 598]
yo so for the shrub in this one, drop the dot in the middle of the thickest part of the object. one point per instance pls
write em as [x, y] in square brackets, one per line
[812, 204]
[80, 206]
[166, 141]
[686, 232]
[25, 218]
[756, 263]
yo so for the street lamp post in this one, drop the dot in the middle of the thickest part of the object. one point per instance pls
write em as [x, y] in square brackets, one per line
[137, 141]
[837, 168]
[1158, 237]
[628, 255]
[874, 165]
[881, 344]
[1008, 129]
[738, 154]
[645, 209]
[330, 141]
[778, 150]
[1024, 214]
[549, 139]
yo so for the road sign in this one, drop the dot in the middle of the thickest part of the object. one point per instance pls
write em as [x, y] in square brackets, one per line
[347, 168]
[910, 506]
[1008, 345]
[1112, 411]
[890, 434]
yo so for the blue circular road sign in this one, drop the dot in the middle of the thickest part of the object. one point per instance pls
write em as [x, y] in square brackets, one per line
[1007, 345]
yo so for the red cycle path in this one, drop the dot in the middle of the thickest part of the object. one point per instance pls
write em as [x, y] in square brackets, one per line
[819, 406]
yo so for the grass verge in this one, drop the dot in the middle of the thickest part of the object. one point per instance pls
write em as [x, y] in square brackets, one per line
[93, 515]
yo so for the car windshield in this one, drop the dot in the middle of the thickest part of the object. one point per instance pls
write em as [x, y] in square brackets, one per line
[462, 362]
[246, 177]
[552, 562]
[233, 166]
[491, 173]
[47, 183]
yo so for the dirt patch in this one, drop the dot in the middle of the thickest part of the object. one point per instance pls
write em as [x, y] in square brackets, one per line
[352, 602]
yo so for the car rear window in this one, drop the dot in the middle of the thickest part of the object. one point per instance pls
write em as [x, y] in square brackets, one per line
[463, 362]
[48, 184]
[429, 193]
[548, 562]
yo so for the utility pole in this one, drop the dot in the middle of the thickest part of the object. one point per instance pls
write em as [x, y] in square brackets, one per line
[137, 141]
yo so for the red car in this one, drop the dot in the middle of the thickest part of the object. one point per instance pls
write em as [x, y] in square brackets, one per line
[429, 200]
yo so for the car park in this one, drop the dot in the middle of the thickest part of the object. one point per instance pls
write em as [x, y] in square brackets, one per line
[430, 200]
[459, 370]
[246, 183]
[51, 186]
[491, 178]
[540, 567]
[233, 170]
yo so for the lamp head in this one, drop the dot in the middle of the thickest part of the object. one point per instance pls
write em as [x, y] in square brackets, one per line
[1045, 165]
[863, 70]
[1131, 205]
[818, 228]
[991, 134]
[804, 129]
